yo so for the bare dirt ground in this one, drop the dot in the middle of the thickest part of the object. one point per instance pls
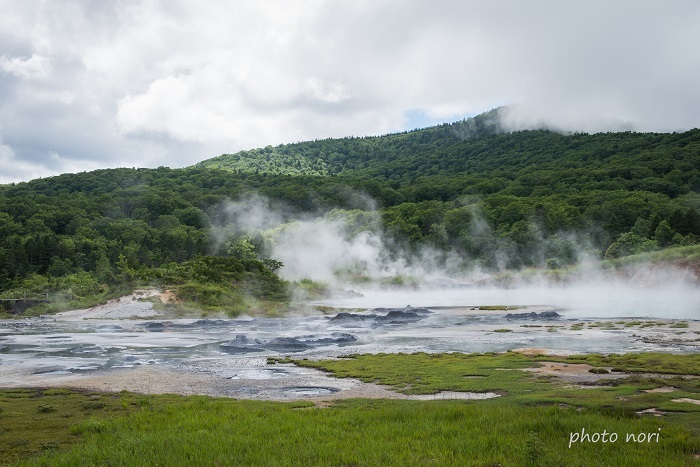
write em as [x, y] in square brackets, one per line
[128, 306]
[689, 401]
[574, 373]
[158, 380]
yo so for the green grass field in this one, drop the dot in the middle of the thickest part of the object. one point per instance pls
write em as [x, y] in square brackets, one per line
[534, 422]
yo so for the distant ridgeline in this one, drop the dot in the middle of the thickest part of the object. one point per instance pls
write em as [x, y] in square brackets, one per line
[528, 198]
[345, 155]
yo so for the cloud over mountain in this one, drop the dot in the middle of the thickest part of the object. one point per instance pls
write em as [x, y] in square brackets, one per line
[147, 83]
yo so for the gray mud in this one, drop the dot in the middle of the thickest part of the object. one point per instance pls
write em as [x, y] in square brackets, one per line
[228, 357]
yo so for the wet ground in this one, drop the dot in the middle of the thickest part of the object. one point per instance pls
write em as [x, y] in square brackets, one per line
[103, 349]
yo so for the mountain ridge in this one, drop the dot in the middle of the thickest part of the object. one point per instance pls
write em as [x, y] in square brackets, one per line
[459, 147]
[309, 157]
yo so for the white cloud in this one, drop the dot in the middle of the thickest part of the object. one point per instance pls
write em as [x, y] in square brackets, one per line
[171, 83]
[331, 93]
[34, 67]
[179, 107]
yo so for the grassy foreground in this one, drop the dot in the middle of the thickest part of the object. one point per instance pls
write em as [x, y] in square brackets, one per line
[533, 423]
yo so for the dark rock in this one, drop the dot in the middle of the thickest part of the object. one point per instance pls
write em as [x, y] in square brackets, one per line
[419, 310]
[155, 326]
[335, 338]
[398, 317]
[530, 315]
[47, 369]
[208, 323]
[242, 339]
[352, 317]
[407, 309]
[391, 316]
[342, 338]
[242, 344]
[286, 344]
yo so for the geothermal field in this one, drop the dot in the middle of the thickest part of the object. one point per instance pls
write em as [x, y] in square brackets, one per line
[127, 345]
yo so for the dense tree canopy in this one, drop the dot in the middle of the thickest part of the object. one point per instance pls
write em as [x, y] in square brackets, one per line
[463, 187]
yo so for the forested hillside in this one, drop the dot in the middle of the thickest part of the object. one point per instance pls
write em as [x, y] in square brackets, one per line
[499, 200]
[629, 191]
[345, 155]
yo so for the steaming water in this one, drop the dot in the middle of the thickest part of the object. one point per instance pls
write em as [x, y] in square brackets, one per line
[594, 300]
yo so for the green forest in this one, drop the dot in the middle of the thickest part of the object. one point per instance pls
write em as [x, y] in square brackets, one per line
[501, 200]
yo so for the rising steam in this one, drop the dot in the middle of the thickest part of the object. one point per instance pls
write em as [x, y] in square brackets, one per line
[325, 247]
[349, 247]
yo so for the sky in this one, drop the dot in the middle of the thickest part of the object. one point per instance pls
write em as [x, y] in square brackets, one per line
[145, 83]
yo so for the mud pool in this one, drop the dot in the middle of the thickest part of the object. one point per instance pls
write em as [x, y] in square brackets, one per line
[102, 349]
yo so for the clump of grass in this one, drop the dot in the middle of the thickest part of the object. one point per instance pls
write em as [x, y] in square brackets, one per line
[312, 290]
[602, 325]
[669, 254]
[400, 281]
[88, 426]
[50, 446]
[502, 330]
[648, 362]
[92, 405]
[46, 408]
[682, 325]
[19, 442]
[326, 310]
[278, 360]
[577, 326]
[57, 392]
[598, 371]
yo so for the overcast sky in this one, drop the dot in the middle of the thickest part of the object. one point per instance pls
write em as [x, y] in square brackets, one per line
[137, 83]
